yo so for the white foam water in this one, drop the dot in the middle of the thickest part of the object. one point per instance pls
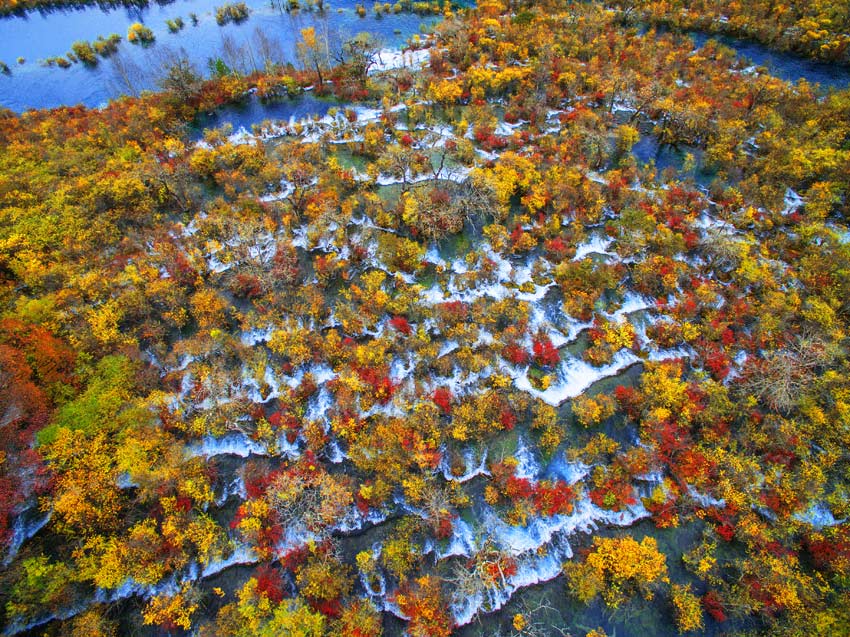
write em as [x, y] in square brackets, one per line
[527, 465]
[471, 467]
[574, 376]
[819, 516]
[235, 444]
[560, 468]
[540, 548]
[391, 59]
[460, 543]
[594, 245]
[241, 554]
[24, 527]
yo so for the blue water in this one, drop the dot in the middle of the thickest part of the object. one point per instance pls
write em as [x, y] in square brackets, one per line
[37, 36]
[785, 66]
[665, 156]
[254, 111]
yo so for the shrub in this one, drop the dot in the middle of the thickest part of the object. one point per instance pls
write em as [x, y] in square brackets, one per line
[714, 606]
[618, 568]
[175, 25]
[85, 52]
[139, 34]
[58, 61]
[686, 608]
[401, 324]
[105, 47]
[545, 353]
[236, 12]
[422, 601]
[443, 399]
[592, 411]
[515, 354]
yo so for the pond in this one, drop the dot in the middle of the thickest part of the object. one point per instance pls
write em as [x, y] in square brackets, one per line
[38, 36]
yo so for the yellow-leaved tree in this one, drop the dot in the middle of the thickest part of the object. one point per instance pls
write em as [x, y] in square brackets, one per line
[618, 568]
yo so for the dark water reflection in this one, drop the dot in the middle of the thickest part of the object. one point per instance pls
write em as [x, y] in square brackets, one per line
[246, 114]
[664, 156]
[783, 65]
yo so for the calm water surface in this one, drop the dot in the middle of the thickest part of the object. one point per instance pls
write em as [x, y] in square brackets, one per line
[783, 65]
[38, 36]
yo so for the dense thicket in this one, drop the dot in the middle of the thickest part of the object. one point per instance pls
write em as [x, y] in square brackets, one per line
[358, 353]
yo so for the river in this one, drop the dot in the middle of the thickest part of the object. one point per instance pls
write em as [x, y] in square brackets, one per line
[38, 36]
[786, 66]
